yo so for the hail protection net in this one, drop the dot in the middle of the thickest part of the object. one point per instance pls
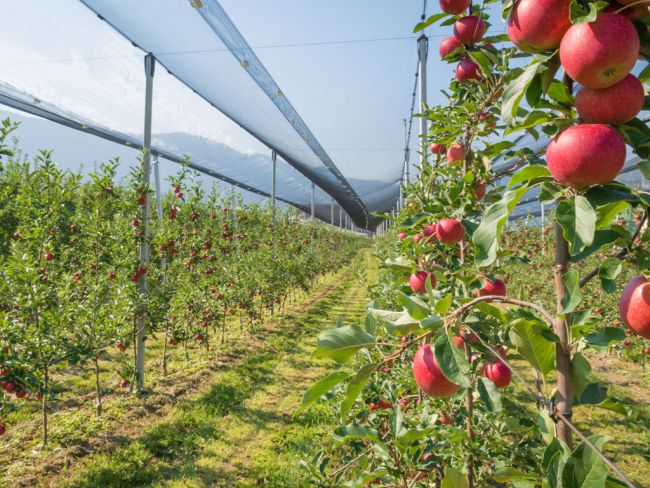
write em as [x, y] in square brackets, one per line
[213, 100]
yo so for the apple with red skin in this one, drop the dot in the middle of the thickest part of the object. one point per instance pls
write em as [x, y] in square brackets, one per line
[454, 7]
[446, 420]
[496, 287]
[455, 153]
[49, 256]
[21, 394]
[448, 45]
[418, 281]
[429, 376]
[436, 148]
[384, 404]
[459, 342]
[480, 189]
[372, 406]
[467, 70]
[417, 238]
[498, 373]
[601, 53]
[612, 105]
[401, 236]
[10, 386]
[429, 230]
[450, 231]
[538, 25]
[3, 429]
[584, 155]
[469, 29]
[634, 306]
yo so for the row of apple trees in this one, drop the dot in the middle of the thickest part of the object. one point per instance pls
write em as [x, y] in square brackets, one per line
[70, 269]
[420, 386]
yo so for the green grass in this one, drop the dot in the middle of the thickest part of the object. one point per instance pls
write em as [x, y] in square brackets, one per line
[235, 427]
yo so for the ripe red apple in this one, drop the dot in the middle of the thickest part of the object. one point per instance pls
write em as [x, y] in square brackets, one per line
[634, 306]
[384, 404]
[613, 105]
[21, 394]
[112, 275]
[3, 429]
[450, 231]
[10, 386]
[454, 7]
[480, 189]
[467, 70]
[372, 407]
[538, 25]
[446, 420]
[428, 375]
[601, 53]
[135, 223]
[585, 155]
[455, 153]
[436, 148]
[448, 45]
[459, 341]
[429, 230]
[496, 287]
[469, 29]
[401, 236]
[418, 281]
[49, 256]
[498, 373]
[417, 238]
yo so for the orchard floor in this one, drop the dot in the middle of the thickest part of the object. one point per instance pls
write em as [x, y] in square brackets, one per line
[223, 418]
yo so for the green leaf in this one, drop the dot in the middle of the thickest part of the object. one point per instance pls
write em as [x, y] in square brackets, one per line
[559, 92]
[573, 297]
[516, 89]
[644, 76]
[485, 237]
[355, 386]
[555, 456]
[580, 371]
[483, 61]
[397, 323]
[452, 362]
[504, 475]
[413, 305]
[491, 310]
[577, 218]
[431, 20]
[443, 305]
[400, 263]
[321, 387]
[529, 173]
[528, 337]
[608, 272]
[601, 238]
[355, 431]
[605, 336]
[342, 343]
[489, 394]
[644, 167]
[582, 15]
[532, 119]
[584, 469]
[453, 479]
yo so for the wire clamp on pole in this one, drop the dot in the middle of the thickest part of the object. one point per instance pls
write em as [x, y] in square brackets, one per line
[554, 414]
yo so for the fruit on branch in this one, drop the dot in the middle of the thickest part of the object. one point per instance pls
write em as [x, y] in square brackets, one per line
[498, 373]
[454, 7]
[450, 231]
[401, 236]
[372, 406]
[583, 155]
[496, 287]
[10, 386]
[612, 105]
[384, 404]
[436, 148]
[448, 45]
[429, 230]
[3, 429]
[469, 29]
[49, 256]
[417, 238]
[538, 25]
[480, 189]
[467, 70]
[601, 53]
[429, 376]
[634, 306]
[418, 281]
[455, 153]
[446, 420]
[459, 341]
[120, 346]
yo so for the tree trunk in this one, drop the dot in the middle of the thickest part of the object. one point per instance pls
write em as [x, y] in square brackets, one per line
[46, 387]
[98, 391]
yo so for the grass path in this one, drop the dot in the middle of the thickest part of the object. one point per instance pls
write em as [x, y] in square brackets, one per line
[240, 431]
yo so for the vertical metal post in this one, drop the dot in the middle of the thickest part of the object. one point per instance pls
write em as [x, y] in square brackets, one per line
[149, 68]
[313, 189]
[274, 158]
[423, 47]
[340, 217]
[332, 212]
[159, 209]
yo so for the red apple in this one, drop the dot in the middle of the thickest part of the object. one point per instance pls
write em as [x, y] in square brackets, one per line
[384, 404]
[538, 25]
[428, 375]
[418, 281]
[469, 29]
[455, 153]
[401, 236]
[499, 374]
[496, 287]
[613, 105]
[448, 45]
[585, 155]
[599, 54]
[459, 341]
[634, 306]
[417, 238]
[429, 230]
[10, 386]
[480, 189]
[3, 429]
[49, 256]
[446, 420]
[372, 407]
[450, 231]
[467, 70]
[454, 7]
[436, 148]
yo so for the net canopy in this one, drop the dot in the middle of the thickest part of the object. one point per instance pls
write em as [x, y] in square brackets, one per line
[209, 84]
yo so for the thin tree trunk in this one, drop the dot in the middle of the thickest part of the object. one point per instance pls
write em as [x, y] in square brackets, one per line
[46, 387]
[98, 391]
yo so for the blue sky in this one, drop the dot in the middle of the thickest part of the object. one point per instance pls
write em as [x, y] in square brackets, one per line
[353, 96]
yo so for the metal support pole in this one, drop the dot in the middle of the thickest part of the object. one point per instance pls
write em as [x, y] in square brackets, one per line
[332, 212]
[274, 158]
[149, 68]
[313, 189]
[423, 47]
[340, 217]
